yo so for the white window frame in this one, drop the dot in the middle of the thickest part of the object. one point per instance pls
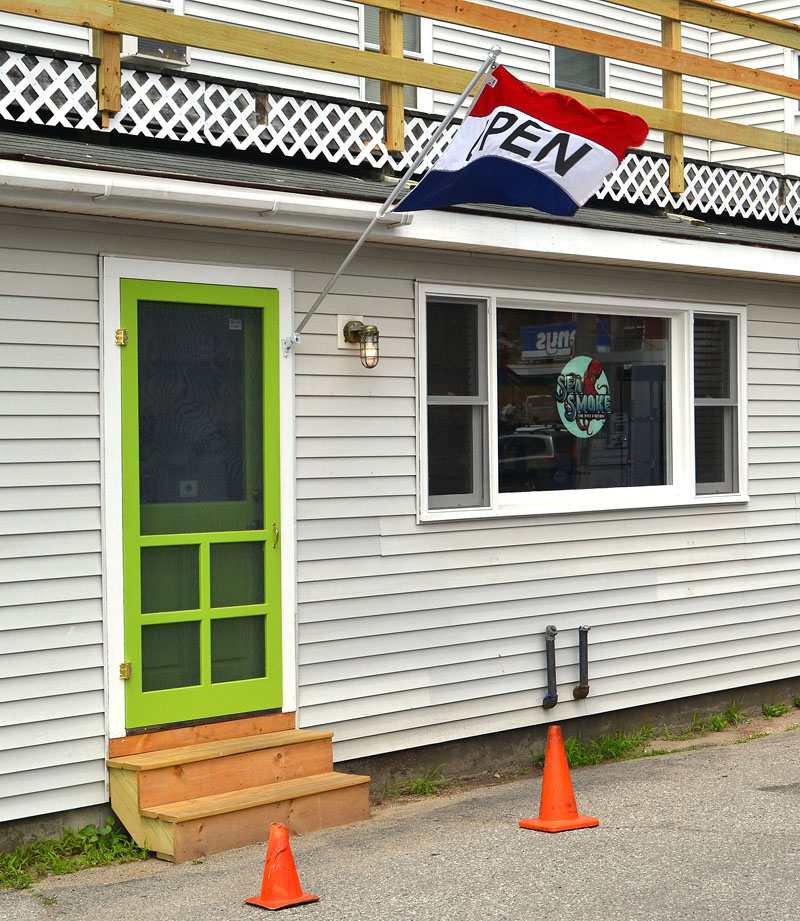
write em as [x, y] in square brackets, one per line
[680, 449]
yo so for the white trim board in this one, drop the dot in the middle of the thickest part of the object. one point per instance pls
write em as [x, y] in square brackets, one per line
[112, 269]
[79, 191]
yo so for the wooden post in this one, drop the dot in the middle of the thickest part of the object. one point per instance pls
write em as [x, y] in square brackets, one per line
[672, 98]
[106, 46]
[109, 93]
[391, 29]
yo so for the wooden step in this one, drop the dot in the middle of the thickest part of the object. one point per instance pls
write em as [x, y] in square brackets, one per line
[189, 829]
[205, 806]
[230, 764]
[198, 799]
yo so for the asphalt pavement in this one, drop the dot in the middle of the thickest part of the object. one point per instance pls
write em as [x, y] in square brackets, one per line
[712, 834]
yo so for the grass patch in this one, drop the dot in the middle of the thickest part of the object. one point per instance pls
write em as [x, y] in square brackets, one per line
[734, 714]
[771, 710]
[74, 850]
[617, 747]
[429, 784]
[755, 735]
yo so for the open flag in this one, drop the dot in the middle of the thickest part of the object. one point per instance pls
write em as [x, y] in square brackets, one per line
[520, 147]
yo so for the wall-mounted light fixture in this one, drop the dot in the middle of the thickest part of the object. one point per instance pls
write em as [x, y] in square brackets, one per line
[367, 339]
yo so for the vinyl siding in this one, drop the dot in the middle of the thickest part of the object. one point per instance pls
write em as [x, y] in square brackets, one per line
[417, 633]
[748, 107]
[408, 633]
[42, 33]
[332, 21]
[52, 720]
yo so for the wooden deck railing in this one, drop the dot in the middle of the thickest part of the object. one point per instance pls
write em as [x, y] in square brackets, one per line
[110, 19]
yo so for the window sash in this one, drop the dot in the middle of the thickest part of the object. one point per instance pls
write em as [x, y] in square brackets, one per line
[727, 440]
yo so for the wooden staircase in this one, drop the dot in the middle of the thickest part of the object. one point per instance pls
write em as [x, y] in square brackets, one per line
[198, 799]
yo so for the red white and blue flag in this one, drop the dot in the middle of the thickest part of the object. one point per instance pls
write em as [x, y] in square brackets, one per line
[519, 147]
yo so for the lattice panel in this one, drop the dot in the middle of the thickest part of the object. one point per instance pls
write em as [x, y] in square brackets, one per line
[47, 91]
[160, 106]
[54, 91]
[724, 191]
[639, 179]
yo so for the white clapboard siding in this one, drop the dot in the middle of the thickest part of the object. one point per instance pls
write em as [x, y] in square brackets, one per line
[747, 106]
[42, 33]
[332, 21]
[457, 46]
[52, 711]
[415, 633]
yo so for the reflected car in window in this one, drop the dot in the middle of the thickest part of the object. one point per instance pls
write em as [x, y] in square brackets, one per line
[536, 458]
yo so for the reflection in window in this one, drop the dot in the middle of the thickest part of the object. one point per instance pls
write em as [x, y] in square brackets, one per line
[582, 400]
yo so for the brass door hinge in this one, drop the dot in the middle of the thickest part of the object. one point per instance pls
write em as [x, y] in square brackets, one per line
[121, 337]
[125, 670]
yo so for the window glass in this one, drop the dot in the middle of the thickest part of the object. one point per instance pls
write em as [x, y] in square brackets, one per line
[579, 70]
[455, 439]
[712, 357]
[452, 330]
[716, 411]
[582, 400]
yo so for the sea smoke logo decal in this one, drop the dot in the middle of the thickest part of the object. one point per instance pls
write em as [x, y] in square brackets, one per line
[583, 397]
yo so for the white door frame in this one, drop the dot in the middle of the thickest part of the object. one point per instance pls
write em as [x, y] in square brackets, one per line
[112, 269]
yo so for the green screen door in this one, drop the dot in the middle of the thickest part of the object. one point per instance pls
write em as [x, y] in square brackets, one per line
[200, 480]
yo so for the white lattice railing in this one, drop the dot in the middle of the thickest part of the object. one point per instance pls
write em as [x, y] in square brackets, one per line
[41, 90]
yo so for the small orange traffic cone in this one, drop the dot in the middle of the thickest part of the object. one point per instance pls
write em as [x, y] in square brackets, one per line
[280, 887]
[557, 810]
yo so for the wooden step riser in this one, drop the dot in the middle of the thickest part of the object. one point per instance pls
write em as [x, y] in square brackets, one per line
[191, 735]
[301, 816]
[233, 772]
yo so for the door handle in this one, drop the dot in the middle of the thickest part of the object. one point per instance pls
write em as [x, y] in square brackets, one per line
[277, 535]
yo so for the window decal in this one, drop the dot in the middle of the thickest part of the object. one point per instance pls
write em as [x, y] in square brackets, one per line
[583, 396]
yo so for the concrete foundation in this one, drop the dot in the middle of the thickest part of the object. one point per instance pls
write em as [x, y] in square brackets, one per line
[510, 752]
[19, 832]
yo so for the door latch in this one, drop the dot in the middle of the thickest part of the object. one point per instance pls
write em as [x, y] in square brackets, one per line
[125, 670]
[277, 535]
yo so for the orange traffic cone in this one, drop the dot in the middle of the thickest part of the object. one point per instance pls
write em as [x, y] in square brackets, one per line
[280, 887]
[557, 810]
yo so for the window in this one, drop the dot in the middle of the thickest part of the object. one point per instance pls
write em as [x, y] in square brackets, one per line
[553, 403]
[412, 47]
[579, 71]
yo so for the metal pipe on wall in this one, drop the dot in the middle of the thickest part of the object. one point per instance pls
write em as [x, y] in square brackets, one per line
[551, 698]
[582, 690]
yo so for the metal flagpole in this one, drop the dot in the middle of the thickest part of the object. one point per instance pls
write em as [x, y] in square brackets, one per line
[491, 59]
